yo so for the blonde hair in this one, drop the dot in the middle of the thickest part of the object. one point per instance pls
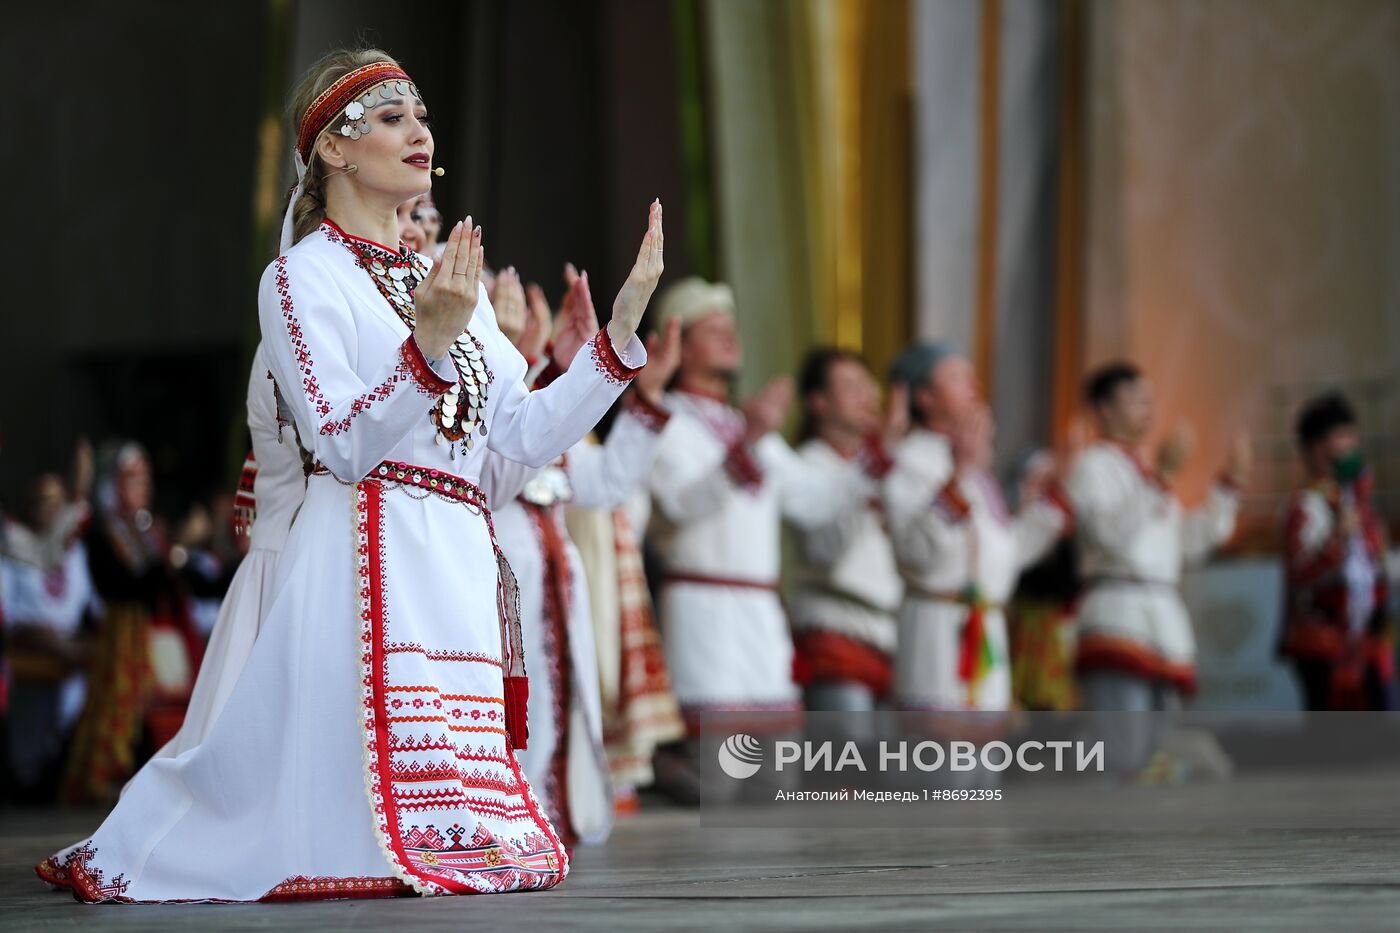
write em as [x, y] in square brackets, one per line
[310, 208]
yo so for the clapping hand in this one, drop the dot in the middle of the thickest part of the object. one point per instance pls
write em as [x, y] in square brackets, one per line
[631, 301]
[446, 298]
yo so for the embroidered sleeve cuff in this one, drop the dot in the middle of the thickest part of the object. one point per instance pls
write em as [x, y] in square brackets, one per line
[951, 504]
[425, 378]
[742, 468]
[874, 459]
[652, 416]
[619, 369]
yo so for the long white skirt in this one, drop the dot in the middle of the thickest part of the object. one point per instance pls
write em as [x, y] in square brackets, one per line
[362, 751]
[236, 628]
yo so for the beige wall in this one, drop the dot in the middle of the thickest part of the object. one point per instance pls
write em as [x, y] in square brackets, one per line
[1244, 210]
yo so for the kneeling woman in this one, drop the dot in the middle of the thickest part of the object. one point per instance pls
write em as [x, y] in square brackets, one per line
[367, 747]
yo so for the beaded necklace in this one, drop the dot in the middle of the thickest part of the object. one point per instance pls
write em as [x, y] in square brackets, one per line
[461, 411]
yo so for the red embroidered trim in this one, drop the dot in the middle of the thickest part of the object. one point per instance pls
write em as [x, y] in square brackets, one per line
[425, 379]
[302, 888]
[951, 503]
[308, 378]
[608, 362]
[554, 611]
[1304, 568]
[1115, 653]
[52, 873]
[431, 655]
[87, 882]
[336, 234]
[821, 655]
[653, 417]
[427, 861]
[332, 102]
[742, 468]
[874, 459]
[298, 340]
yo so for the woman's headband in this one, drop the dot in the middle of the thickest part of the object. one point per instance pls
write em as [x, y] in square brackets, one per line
[348, 100]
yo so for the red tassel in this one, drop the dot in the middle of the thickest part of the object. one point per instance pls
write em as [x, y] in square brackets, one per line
[517, 710]
[971, 645]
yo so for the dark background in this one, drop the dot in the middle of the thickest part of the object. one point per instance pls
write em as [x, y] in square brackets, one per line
[147, 182]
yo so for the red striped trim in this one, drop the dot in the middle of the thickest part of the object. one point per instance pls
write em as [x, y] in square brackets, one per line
[1114, 653]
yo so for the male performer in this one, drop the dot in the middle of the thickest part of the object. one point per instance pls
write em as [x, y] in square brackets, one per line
[1335, 627]
[723, 480]
[1136, 647]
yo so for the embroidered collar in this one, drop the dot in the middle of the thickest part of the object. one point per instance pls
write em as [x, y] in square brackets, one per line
[367, 251]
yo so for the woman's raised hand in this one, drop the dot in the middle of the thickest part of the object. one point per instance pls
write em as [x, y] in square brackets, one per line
[631, 301]
[446, 299]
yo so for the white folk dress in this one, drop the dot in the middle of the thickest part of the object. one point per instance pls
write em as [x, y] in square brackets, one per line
[961, 554]
[364, 750]
[724, 628]
[1133, 537]
[278, 488]
[565, 762]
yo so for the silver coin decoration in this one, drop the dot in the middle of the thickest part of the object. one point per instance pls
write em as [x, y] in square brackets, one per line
[460, 412]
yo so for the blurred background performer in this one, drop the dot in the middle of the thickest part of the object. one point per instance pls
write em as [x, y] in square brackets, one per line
[46, 593]
[723, 481]
[1136, 648]
[958, 547]
[843, 612]
[1335, 628]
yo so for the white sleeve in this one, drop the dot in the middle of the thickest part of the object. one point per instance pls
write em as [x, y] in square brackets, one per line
[1210, 525]
[811, 495]
[535, 427]
[503, 479]
[349, 424]
[603, 476]
[1035, 529]
[1108, 515]
[689, 478]
[927, 519]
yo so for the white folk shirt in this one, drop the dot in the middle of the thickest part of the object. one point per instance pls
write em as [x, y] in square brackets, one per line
[723, 626]
[1133, 537]
[848, 581]
[942, 550]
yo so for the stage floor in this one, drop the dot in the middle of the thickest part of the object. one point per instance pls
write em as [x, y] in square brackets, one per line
[663, 870]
